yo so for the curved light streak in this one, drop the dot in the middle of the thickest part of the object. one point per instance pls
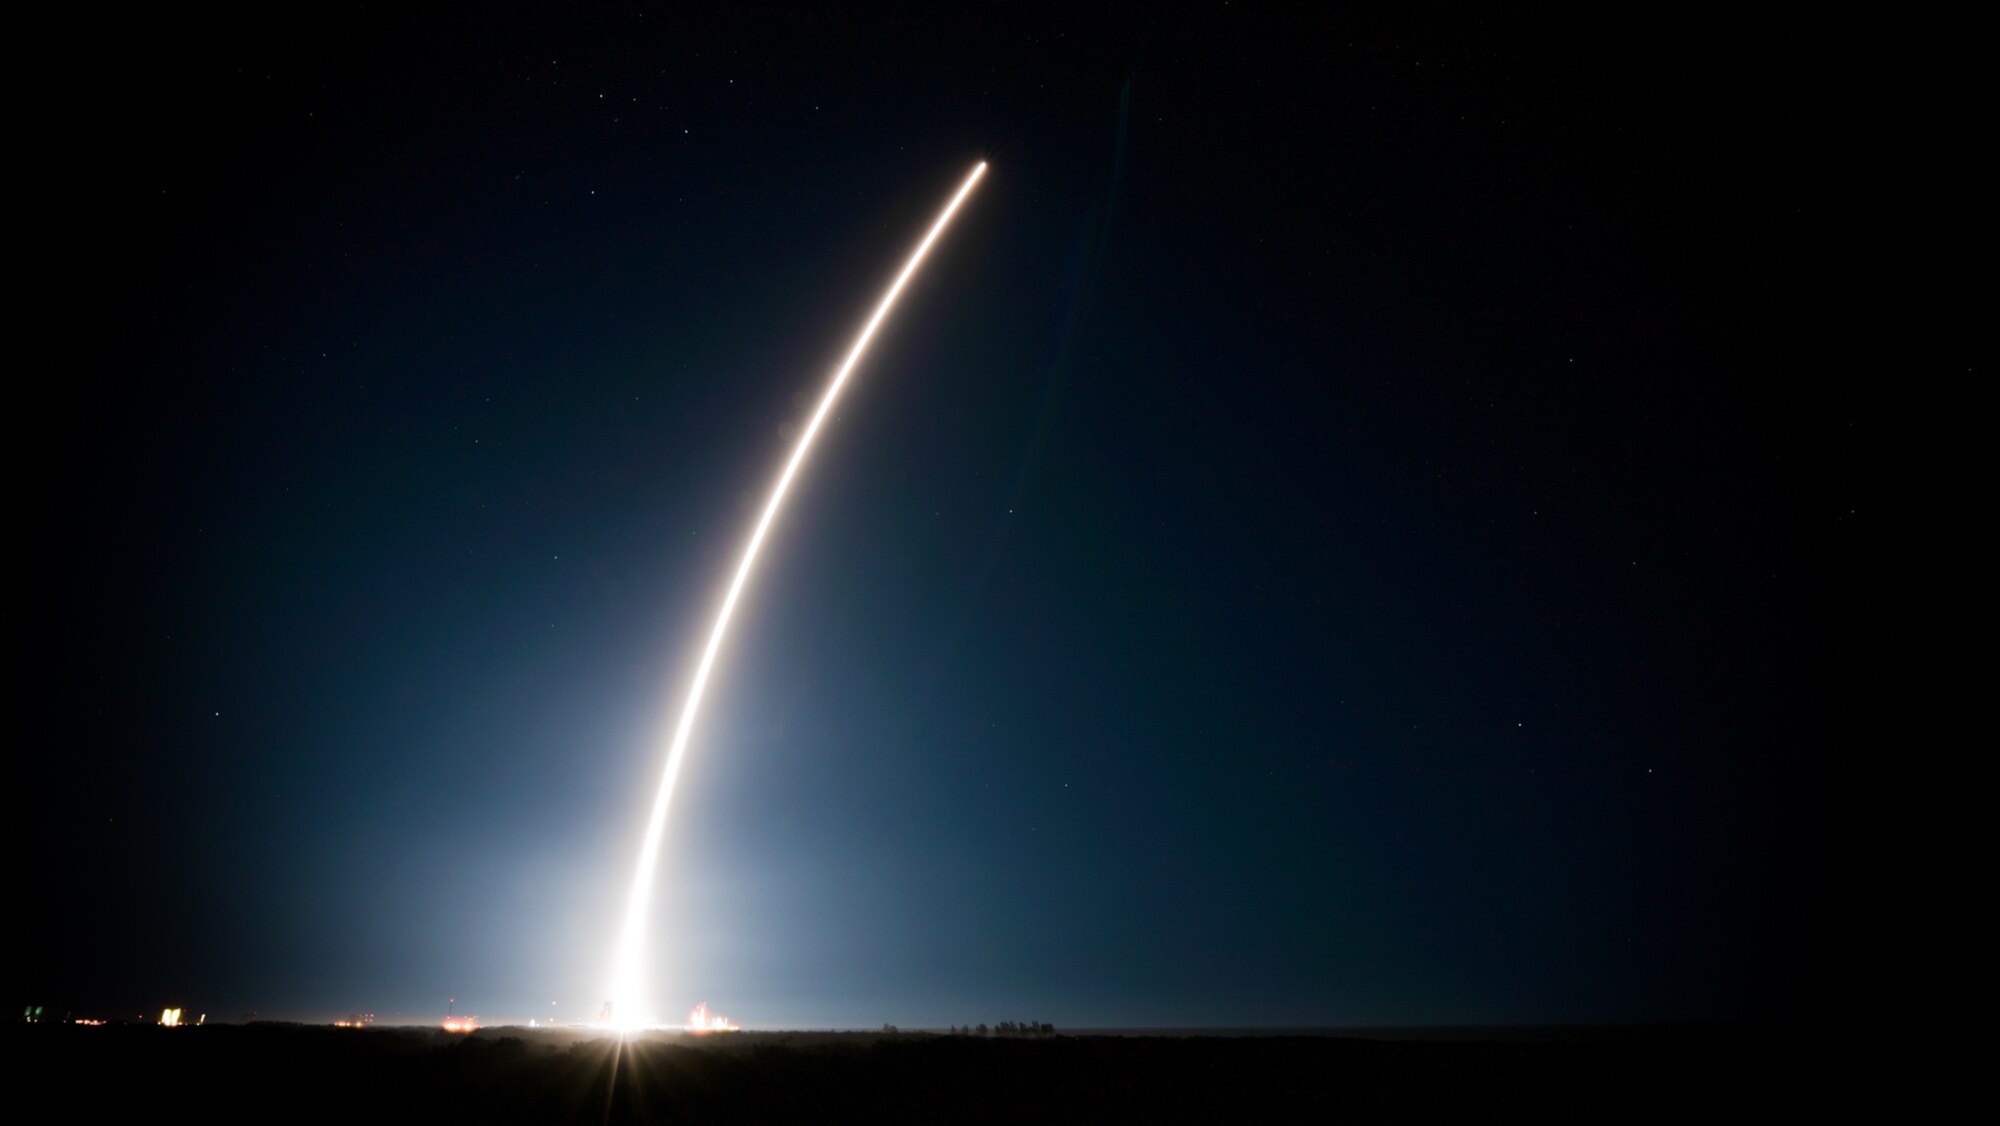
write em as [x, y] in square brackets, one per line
[627, 983]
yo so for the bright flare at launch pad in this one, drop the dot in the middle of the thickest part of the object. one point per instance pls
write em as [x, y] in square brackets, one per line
[628, 984]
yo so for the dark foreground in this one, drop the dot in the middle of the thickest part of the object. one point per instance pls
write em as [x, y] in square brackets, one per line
[266, 1072]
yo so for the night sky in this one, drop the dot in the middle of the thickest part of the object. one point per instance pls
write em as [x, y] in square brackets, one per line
[1358, 523]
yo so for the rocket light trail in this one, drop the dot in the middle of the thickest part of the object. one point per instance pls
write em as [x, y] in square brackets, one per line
[627, 983]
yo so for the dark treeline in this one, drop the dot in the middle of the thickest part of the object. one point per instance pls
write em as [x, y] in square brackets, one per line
[1006, 1028]
[259, 1072]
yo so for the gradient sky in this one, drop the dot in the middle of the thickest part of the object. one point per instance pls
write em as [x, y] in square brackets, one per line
[1357, 524]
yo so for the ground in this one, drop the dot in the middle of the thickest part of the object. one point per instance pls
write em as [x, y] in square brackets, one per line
[264, 1070]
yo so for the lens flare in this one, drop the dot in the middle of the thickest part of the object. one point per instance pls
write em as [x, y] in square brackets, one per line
[627, 987]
